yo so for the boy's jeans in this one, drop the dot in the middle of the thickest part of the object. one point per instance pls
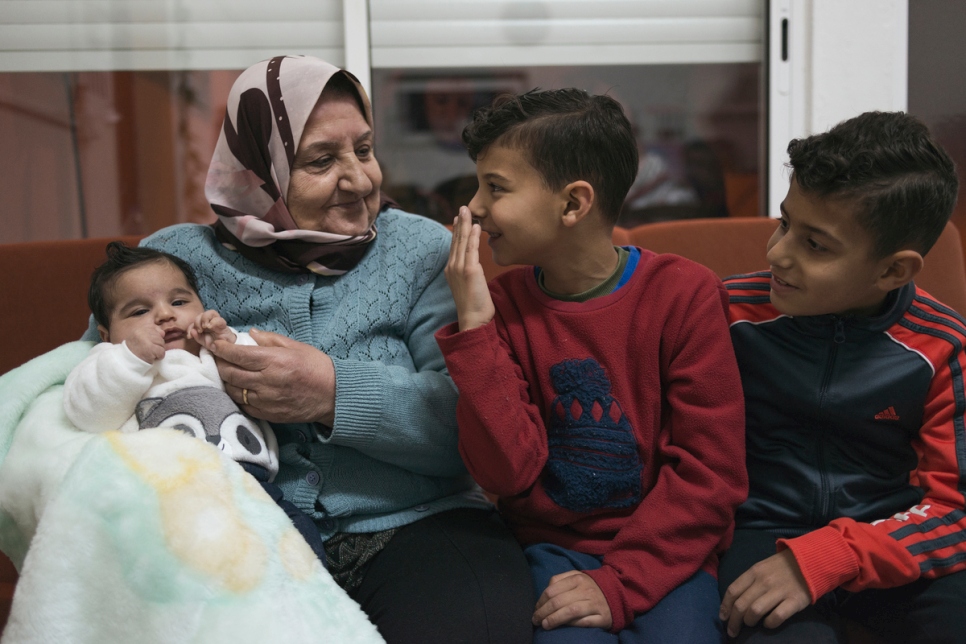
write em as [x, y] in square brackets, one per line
[689, 613]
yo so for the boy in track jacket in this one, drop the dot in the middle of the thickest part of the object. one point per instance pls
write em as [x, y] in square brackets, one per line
[599, 395]
[854, 395]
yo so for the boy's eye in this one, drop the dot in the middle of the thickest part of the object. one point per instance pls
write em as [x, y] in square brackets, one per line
[179, 302]
[814, 245]
[495, 188]
[783, 223]
[138, 312]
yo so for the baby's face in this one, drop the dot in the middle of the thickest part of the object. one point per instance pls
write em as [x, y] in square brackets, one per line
[154, 298]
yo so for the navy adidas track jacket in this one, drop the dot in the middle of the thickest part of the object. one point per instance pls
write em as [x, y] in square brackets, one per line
[856, 444]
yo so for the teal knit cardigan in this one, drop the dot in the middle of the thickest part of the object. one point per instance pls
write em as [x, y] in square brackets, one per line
[391, 457]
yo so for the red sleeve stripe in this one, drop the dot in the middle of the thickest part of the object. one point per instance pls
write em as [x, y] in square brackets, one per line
[749, 277]
[956, 373]
[938, 543]
[947, 562]
[750, 298]
[753, 282]
[930, 524]
[939, 313]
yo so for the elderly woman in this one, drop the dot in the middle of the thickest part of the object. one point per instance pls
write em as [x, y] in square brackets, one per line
[343, 293]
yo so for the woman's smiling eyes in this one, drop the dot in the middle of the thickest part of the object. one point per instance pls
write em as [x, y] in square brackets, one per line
[363, 152]
[320, 163]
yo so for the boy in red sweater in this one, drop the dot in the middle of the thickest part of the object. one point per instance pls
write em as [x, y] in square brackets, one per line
[599, 395]
[853, 381]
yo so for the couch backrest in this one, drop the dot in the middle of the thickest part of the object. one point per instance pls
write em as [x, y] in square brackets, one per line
[43, 288]
[731, 246]
[43, 285]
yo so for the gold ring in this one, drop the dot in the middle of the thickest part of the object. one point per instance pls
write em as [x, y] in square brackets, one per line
[245, 396]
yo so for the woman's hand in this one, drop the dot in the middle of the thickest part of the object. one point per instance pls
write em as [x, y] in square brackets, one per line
[464, 274]
[281, 380]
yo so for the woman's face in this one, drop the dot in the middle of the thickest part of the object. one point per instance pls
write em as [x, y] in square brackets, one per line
[335, 180]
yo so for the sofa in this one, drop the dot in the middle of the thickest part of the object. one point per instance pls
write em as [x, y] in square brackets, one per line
[44, 287]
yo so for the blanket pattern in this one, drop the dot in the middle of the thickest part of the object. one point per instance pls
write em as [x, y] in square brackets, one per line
[152, 536]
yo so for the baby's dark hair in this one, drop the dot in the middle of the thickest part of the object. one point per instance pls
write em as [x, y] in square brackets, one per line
[566, 135]
[120, 259]
[903, 184]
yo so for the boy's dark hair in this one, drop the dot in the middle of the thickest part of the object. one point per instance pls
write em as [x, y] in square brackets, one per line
[566, 135]
[903, 184]
[121, 258]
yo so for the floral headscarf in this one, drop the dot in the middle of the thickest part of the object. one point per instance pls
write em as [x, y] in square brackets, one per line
[250, 169]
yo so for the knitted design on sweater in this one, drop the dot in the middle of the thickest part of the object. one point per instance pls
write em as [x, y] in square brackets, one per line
[593, 461]
[394, 444]
[360, 327]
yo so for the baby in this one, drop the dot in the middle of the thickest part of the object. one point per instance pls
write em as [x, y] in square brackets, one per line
[152, 368]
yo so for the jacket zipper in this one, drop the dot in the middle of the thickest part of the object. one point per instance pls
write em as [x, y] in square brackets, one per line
[838, 338]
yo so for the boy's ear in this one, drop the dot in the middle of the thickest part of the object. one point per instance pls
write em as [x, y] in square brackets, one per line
[104, 333]
[579, 197]
[899, 269]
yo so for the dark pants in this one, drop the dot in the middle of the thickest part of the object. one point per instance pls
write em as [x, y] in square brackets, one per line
[689, 613]
[927, 610]
[453, 577]
[303, 523]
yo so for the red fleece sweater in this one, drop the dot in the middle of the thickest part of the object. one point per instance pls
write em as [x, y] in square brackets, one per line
[613, 427]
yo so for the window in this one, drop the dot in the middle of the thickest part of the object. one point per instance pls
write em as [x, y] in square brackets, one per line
[109, 109]
[937, 65]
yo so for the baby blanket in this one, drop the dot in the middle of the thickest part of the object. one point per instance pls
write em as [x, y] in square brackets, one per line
[147, 537]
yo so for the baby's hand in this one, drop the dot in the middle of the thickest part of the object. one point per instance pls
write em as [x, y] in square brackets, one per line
[464, 274]
[210, 326]
[147, 343]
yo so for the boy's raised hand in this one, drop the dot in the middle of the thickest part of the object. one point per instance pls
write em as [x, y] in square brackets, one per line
[572, 599]
[464, 274]
[147, 343]
[774, 588]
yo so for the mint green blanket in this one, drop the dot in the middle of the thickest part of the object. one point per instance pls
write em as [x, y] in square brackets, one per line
[147, 537]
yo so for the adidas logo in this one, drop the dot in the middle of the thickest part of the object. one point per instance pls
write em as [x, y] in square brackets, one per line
[887, 414]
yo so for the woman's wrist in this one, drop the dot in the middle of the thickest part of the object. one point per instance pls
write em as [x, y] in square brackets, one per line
[325, 412]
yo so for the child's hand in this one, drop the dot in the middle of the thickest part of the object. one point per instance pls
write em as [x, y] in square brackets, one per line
[464, 274]
[147, 343]
[208, 327]
[774, 588]
[572, 599]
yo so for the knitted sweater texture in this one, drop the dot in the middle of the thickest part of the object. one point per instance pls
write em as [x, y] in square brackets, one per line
[391, 457]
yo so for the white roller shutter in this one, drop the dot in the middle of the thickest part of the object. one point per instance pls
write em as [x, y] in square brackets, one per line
[494, 33]
[89, 35]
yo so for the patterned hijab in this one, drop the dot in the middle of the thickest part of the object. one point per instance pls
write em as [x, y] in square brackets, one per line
[249, 175]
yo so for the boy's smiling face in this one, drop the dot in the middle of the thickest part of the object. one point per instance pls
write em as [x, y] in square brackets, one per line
[515, 208]
[822, 260]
